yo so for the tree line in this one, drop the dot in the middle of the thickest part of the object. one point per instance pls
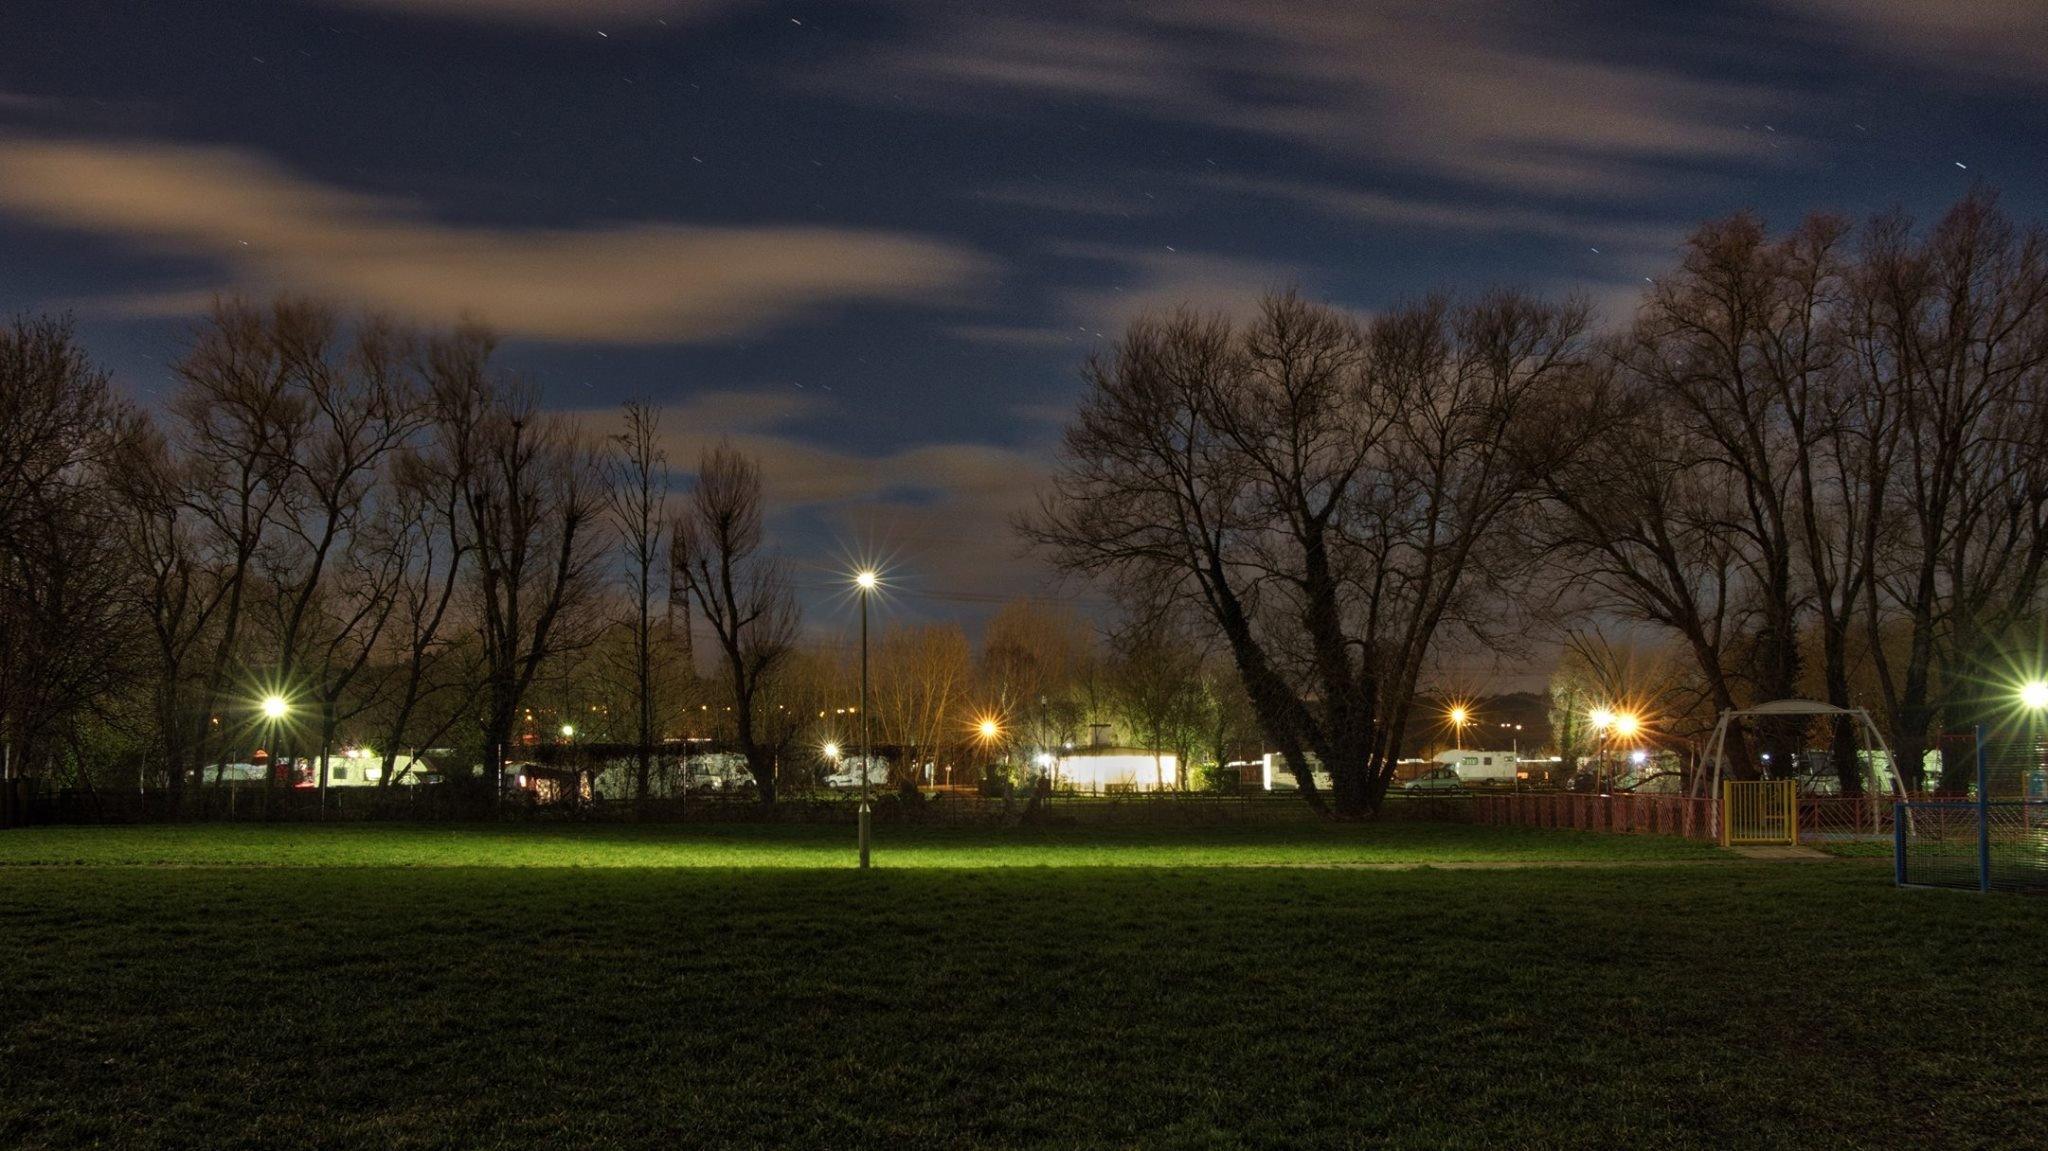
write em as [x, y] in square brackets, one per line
[1813, 462]
[385, 534]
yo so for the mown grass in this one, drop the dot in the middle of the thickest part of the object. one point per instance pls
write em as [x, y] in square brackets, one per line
[819, 845]
[1740, 1005]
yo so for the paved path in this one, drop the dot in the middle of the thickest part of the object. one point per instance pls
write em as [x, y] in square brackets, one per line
[1740, 855]
[1785, 854]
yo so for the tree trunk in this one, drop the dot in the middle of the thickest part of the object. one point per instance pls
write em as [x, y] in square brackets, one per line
[1351, 791]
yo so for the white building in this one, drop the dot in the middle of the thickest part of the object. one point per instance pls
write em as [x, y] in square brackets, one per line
[1100, 769]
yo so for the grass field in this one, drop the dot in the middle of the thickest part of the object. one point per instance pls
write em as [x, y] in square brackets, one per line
[755, 846]
[586, 1002]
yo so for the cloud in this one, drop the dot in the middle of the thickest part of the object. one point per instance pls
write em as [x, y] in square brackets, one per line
[1610, 260]
[1999, 40]
[1481, 91]
[1434, 214]
[633, 283]
[577, 13]
[1149, 281]
[939, 512]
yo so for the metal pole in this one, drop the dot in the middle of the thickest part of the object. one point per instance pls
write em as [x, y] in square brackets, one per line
[326, 750]
[1899, 843]
[1983, 814]
[866, 748]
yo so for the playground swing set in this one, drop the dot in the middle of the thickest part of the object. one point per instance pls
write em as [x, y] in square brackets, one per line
[1974, 843]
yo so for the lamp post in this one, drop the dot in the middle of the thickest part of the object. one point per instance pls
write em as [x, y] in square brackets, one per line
[865, 581]
[1459, 717]
[989, 729]
[1626, 726]
[2034, 698]
[275, 708]
[1603, 722]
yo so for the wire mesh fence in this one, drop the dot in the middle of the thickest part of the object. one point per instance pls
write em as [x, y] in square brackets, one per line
[2001, 845]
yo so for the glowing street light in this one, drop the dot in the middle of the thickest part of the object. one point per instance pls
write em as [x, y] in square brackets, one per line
[989, 729]
[865, 580]
[2034, 695]
[1459, 717]
[275, 706]
[1627, 724]
[568, 731]
[832, 752]
[1601, 718]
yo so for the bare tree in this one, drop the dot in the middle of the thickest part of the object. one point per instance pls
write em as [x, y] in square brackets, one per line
[1033, 659]
[528, 500]
[431, 675]
[741, 593]
[1155, 677]
[64, 625]
[331, 567]
[1230, 728]
[921, 677]
[1706, 503]
[1736, 340]
[1328, 495]
[637, 492]
[1948, 339]
[205, 503]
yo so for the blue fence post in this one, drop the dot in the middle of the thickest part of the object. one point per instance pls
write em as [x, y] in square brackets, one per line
[1899, 843]
[1983, 814]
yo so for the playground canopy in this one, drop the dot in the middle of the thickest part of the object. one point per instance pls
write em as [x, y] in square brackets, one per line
[1717, 744]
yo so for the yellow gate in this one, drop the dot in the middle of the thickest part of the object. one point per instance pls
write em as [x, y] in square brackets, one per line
[1762, 811]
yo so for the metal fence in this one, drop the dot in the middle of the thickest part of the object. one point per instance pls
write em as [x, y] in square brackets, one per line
[2001, 845]
[1678, 815]
[1855, 824]
[434, 803]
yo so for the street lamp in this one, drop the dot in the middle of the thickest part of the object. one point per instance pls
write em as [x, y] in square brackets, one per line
[1459, 717]
[2034, 698]
[568, 731]
[275, 707]
[1515, 744]
[1626, 726]
[865, 581]
[2034, 695]
[988, 729]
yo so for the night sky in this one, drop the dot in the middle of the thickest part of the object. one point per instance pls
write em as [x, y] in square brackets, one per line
[873, 242]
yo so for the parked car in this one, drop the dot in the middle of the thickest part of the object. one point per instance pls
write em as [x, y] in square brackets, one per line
[1438, 779]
